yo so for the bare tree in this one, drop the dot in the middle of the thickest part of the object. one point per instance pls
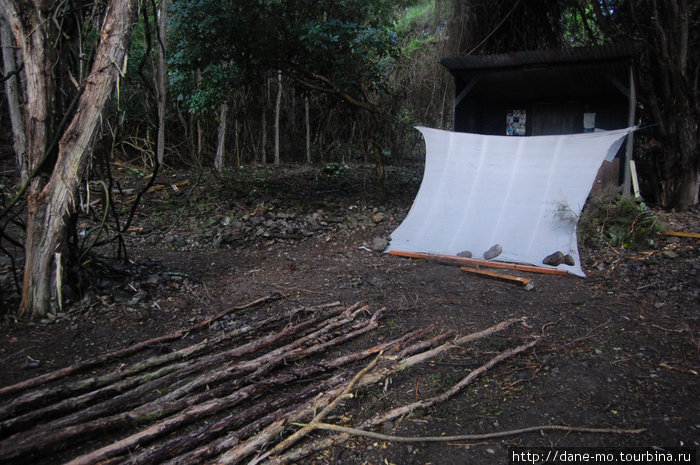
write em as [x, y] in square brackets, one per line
[11, 70]
[161, 77]
[278, 110]
[51, 195]
[307, 124]
[221, 145]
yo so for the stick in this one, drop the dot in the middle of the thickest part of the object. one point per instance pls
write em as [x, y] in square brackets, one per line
[176, 187]
[65, 430]
[389, 367]
[323, 414]
[474, 437]
[523, 282]
[682, 234]
[422, 404]
[687, 371]
[126, 351]
[267, 361]
[454, 260]
[406, 409]
[45, 395]
[155, 382]
[272, 411]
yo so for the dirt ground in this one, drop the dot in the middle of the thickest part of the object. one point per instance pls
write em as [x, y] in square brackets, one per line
[618, 349]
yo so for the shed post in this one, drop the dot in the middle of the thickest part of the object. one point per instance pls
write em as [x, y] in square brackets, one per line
[629, 146]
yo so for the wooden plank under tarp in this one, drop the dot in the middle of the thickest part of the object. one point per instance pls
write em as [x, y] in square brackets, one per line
[525, 283]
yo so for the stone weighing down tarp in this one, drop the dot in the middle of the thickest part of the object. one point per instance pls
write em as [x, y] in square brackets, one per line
[524, 194]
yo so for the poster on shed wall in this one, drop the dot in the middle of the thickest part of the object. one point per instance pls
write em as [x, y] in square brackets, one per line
[515, 123]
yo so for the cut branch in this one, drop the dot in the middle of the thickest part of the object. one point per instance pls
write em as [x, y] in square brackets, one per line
[406, 409]
[474, 437]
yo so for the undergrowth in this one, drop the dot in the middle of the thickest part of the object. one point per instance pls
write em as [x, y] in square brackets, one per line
[610, 220]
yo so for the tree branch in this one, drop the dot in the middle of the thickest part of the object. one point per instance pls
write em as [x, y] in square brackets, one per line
[473, 437]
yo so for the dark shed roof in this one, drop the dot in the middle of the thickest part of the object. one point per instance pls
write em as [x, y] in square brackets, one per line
[578, 71]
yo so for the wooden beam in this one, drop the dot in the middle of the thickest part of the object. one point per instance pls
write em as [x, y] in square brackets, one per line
[476, 262]
[525, 283]
[679, 234]
[467, 88]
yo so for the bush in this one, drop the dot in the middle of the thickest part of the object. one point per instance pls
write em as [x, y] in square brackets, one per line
[610, 220]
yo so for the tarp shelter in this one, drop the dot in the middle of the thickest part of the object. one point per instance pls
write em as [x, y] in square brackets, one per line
[523, 194]
[525, 154]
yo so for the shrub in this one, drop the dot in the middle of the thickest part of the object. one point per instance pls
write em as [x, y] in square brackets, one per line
[610, 220]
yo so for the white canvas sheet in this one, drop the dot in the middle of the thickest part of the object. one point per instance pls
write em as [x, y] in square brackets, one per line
[522, 193]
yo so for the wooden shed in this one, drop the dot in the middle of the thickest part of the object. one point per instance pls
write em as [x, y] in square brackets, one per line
[549, 91]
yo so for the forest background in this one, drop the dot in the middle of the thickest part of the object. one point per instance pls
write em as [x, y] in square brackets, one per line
[217, 85]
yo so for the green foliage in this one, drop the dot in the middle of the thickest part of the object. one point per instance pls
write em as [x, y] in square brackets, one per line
[344, 44]
[614, 221]
[579, 27]
[336, 169]
[220, 79]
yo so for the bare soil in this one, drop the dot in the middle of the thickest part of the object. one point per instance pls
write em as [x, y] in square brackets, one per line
[619, 349]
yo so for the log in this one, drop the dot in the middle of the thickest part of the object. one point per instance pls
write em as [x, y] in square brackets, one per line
[190, 408]
[383, 370]
[91, 420]
[476, 262]
[234, 438]
[172, 447]
[241, 450]
[136, 395]
[90, 363]
[65, 406]
[46, 395]
[186, 417]
[279, 355]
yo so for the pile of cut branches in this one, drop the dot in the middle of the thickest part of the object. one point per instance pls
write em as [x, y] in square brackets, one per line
[222, 399]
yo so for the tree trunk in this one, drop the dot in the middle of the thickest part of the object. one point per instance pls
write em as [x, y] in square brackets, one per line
[278, 107]
[237, 141]
[161, 75]
[10, 65]
[685, 196]
[221, 144]
[668, 86]
[377, 151]
[263, 124]
[51, 203]
[200, 130]
[308, 129]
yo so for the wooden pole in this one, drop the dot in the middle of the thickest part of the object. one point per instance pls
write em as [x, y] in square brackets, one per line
[476, 262]
[629, 154]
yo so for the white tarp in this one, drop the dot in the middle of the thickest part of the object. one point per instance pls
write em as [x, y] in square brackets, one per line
[524, 194]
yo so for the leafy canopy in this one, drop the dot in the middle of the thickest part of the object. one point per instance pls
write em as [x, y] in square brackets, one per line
[343, 45]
